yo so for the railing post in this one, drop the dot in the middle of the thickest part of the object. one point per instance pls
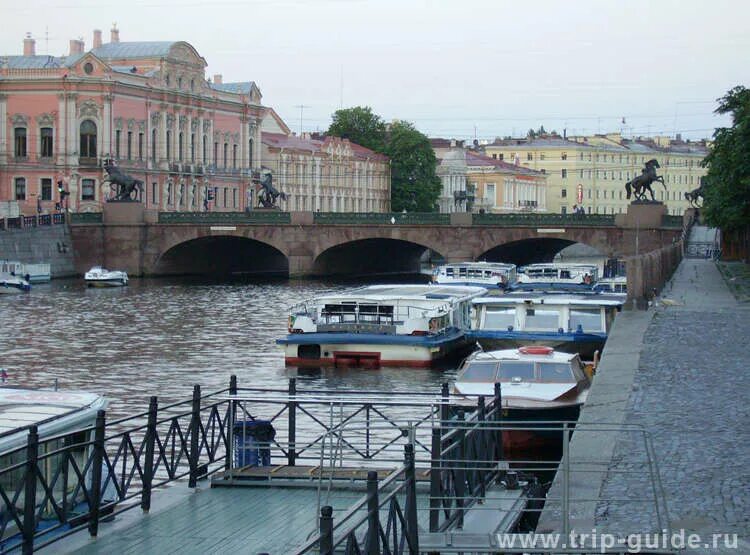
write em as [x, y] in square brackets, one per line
[148, 463]
[96, 475]
[482, 454]
[460, 469]
[412, 528]
[231, 419]
[195, 423]
[29, 495]
[499, 454]
[435, 482]
[326, 531]
[445, 394]
[566, 480]
[292, 450]
[372, 543]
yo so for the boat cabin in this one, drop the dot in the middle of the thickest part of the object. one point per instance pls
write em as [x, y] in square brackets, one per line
[559, 274]
[612, 285]
[485, 274]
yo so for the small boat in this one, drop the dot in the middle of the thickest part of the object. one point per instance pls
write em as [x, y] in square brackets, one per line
[617, 284]
[100, 277]
[570, 322]
[380, 325]
[11, 284]
[539, 386]
[556, 276]
[491, 275]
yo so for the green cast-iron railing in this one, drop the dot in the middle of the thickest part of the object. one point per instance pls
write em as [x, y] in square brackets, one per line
[537, 219]
[251, 217]
[86, 218]
[374, 218]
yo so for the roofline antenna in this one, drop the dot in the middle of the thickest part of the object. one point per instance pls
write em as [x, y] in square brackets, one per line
[301, 111]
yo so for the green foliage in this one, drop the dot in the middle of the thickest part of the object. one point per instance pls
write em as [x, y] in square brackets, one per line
[414, 185]
[360, 126]
[726, 187]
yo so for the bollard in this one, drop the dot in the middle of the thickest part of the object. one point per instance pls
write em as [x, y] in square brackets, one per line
[292, 451]
[96, 475]
[195, 422]
[29, 496]
[372, 542]
[148, 463]
[326, 530]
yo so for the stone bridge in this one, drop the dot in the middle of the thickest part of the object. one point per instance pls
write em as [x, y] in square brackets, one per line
[147, 243]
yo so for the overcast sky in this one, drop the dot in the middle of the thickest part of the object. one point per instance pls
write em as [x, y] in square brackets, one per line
[454, 68]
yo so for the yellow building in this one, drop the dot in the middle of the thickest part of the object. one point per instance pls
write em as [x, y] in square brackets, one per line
[592, 171]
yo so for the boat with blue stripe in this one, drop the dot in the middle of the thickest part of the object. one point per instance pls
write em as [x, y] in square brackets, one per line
[380, 325]
[491, 275]
[567, 322]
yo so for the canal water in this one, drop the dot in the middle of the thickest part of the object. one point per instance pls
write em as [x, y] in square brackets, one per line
[162, 336]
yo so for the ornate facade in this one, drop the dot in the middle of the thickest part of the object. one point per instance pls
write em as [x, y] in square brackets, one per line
[146, 105]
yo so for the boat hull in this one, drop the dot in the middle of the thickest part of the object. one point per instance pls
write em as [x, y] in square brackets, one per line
[12, 290]
[585, 344]
[370, 350]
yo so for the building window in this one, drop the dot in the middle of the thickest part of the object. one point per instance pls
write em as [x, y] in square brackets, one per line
[167, 80]
[564, 174]
[180, 142]
[46, 142]
[564, 193]
[140, 146]
[169, 194]
[581, 174]
[216, 154]
[192, 85]
[250, 154]
[529, 156]
[564, 156]
[46, 189]
[19, 136]
[169, 145]
[88, 190]
[542, 156]
[226, 154]
[20, 188]
[205, 150]
[225, 197]
[117, 143]
[192, 147]
[153, 146]
[234, 156]
[130, 145]
[154, 193]
[88, 139]
[179, 82]
[563, 210]
[494, 155]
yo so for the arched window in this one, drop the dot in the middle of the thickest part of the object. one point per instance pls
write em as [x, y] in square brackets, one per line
[88, 139]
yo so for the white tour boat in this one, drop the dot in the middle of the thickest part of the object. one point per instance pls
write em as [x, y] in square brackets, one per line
[100, 277]
[538, 386]
[490, 275]
[570, 322]
[11, 284]
[615, 285]
[556, 276]
[380, 325]
[33, 273]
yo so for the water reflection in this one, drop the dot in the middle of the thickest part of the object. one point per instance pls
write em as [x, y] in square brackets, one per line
[161, 336]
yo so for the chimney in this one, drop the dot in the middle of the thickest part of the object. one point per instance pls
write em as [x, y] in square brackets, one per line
[76, 46]
[217, 79]
[97, 38]
[29, 46]
[114, 34]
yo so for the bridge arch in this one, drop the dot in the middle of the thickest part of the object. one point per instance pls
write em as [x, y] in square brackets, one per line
[374, 255]
[533, 250]
[221, 255]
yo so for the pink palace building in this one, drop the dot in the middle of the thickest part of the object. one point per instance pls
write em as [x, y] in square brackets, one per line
[147, 106]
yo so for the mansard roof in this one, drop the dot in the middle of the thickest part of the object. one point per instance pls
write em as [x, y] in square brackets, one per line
[138, 49]
[307, 143]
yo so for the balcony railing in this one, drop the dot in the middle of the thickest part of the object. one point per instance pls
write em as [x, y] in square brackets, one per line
[365, 218]
[535, 219]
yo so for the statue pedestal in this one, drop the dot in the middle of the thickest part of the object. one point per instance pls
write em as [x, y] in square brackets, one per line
[642, 214]
[123, 213]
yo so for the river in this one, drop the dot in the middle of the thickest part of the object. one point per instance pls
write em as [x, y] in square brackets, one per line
[161, 336]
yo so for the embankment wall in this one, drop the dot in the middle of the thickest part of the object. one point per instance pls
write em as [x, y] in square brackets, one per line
[44, 244]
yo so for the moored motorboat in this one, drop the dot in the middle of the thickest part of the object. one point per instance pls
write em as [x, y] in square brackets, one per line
[539, 387]
[380, 325]
[10, 284]
[491, 275]
[569, 322]
[101, 277]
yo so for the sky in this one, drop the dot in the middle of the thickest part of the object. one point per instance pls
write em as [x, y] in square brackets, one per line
[466, 70]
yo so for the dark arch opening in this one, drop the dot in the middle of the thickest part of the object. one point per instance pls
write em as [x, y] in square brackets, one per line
[371, 257]
[223, 256]
[530, 251]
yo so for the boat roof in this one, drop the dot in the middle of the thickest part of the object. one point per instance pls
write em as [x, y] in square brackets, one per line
[380, 293]
[52, 411]
[515, 354]
[592, 299]
[560, 265]
[481, 264]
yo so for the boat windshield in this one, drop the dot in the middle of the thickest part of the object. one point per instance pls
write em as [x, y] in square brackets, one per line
[588, 318]
[499, 318]
[511, 369]
[555, 372]
[542, 319]
[484, 371]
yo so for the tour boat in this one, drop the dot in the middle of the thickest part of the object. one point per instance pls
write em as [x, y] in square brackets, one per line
[33, 273]
[100, 277]
[491, 275]
[10, 284]
[615, 285]
[556, 276]
[573, 323]
[538, 385]
[380, 325]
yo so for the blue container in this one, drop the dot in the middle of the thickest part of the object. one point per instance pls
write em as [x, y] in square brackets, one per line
[252, 443]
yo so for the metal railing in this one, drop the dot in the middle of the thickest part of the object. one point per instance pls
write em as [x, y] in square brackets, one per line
[205, 218]
[86, 218]
[537, 219]
[23, 222]
[378, 218]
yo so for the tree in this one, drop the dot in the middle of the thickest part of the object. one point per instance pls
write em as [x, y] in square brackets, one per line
[360, 126]
[726, 187]
[414, 185]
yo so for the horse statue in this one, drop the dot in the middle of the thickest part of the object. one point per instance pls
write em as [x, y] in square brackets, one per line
[642, 183]
[123, 185]
[460, 197]
[268, 194]
[693, 196]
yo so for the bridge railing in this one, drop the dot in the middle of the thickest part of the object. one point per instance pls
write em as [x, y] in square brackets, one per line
[568, 220]
[401, 218]
[86, 218]
[252, 217]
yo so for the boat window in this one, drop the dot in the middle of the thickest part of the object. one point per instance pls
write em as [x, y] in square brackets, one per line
[555, 372]
[542, 319]
[449, 272]
[484, 371]
[621, 288]
[499, 318]
[565, 274]
[462, 272]
[516, 369]
[588, 318]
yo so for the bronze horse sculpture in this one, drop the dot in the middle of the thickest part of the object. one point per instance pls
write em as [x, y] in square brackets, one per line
[123, 185]
[642, 183]
[693, 196]
[268, 194]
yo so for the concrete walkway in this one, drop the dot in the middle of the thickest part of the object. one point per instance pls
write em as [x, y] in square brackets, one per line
[686, 382]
